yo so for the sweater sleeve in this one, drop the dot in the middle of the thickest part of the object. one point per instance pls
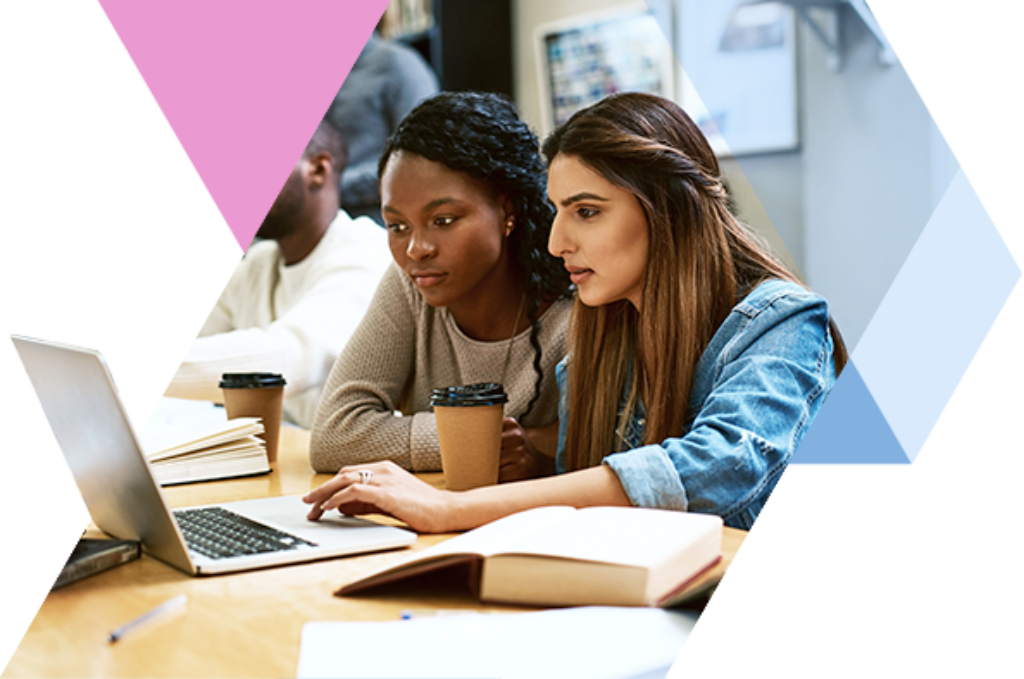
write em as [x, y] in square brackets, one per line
[356, 422]
[301, 344]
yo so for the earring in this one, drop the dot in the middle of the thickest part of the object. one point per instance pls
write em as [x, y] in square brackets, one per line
[508, 226]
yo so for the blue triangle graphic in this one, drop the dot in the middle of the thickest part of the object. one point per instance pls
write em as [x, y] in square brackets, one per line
[851, 441]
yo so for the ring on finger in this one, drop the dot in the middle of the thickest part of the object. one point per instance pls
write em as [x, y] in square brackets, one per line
[365, 475]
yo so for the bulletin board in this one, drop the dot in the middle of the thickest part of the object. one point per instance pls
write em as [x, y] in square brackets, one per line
[585, 58]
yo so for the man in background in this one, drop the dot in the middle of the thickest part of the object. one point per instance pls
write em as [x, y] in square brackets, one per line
[386, 82]
[298, 294]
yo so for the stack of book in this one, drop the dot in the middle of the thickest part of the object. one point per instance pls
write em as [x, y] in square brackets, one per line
[211, 452]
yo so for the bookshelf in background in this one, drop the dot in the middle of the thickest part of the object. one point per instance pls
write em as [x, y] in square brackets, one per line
[468, 43]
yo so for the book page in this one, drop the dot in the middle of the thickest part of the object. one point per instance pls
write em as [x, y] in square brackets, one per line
[243, 434]
[247, 444]
[174, 440]
[498, 535]
[482, 541]
[244, 449]
[629, 536]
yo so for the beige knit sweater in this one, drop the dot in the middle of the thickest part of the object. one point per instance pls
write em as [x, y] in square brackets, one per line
[402, 350]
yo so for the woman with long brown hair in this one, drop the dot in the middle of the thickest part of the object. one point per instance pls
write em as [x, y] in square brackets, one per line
[696, 360]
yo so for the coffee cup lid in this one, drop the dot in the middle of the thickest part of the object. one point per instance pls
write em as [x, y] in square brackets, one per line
[481, 394]
[251, 380]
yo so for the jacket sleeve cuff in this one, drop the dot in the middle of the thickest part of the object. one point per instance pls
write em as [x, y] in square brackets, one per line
[649, 478]
[424, 451]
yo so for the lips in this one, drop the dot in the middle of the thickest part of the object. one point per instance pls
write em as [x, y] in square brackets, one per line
[578, 274]
[427, 278]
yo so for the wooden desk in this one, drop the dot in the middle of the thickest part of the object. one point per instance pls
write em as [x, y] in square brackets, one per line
[242, 625]
[250, 624]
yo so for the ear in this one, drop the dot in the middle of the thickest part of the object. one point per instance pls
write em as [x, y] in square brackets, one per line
[318, 169]
[507, 208]
[508, 218]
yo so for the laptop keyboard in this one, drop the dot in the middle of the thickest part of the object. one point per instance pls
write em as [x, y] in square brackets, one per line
[218, 533]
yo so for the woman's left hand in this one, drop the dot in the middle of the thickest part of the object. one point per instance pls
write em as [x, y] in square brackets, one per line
[388, 490]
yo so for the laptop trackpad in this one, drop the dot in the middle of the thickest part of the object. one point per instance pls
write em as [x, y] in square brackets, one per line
[288, 513]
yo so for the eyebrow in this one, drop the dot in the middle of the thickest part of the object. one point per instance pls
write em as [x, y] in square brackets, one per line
[439, 202]
[582, 196]
[428, 207]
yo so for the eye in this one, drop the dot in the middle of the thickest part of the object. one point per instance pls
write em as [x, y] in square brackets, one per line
[443, 221]
[397, 228]
[586, 212]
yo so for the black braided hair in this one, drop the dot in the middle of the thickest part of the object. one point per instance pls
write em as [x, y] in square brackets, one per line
[481, 135]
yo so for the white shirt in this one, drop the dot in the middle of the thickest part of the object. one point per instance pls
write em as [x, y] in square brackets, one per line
[293, 320]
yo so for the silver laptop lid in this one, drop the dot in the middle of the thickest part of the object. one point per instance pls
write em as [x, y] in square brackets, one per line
[89, 421]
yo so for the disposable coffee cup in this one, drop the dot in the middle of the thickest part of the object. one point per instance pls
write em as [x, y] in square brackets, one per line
[256, 395]
[469, 431]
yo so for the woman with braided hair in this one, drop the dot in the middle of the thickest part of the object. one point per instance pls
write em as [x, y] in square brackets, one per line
[473, 295]
[696, 360]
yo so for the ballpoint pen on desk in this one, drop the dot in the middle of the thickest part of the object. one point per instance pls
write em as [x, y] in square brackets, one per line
[412, 615]
[149, 616]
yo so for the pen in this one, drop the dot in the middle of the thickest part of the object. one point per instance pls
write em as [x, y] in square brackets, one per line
[163, 609]
[412, 615]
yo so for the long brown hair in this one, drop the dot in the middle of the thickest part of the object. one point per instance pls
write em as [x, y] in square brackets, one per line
[701, 262]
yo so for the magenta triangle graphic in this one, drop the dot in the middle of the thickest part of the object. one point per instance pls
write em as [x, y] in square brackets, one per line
[187, 117]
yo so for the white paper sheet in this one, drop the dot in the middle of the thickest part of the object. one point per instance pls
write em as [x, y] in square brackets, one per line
[596, 642]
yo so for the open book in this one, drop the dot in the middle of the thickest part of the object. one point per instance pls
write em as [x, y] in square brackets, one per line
[214, 450]
[561, 556]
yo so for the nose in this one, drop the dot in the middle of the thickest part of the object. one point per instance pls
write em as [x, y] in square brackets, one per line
[560, 241]
[420, 247]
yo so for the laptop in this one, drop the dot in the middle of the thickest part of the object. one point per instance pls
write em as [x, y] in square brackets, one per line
[92, 428]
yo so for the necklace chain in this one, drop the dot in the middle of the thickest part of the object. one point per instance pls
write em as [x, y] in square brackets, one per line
[508, 352]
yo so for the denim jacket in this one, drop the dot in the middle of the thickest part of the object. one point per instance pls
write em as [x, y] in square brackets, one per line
[756, 388]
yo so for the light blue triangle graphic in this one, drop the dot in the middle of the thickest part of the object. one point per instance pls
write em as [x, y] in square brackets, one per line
[825, 199]
[850, 437]
[935, 315]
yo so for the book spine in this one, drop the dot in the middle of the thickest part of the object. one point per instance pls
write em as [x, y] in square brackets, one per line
[96, 563]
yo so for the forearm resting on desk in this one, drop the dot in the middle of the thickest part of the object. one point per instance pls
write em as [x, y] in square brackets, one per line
[594, 487]
[394, 492]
